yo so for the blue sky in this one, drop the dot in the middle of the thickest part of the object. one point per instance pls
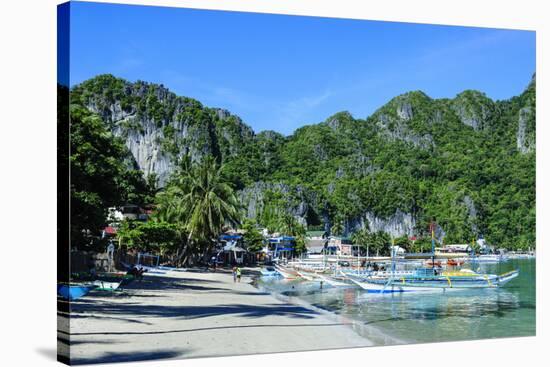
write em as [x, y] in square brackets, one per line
[281, 72]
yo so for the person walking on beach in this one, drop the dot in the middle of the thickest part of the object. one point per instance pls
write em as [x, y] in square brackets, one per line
[234, 274]
[238, 271]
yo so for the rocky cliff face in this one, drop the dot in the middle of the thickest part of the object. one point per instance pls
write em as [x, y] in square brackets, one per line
[474, 109]
[158, 127]
[253, 199]
[397, 225]
[525, 135]
[406, 118]
[526, 117]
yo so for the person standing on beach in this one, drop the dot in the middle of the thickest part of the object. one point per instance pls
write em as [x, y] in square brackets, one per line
[234, 274]
[238, 274]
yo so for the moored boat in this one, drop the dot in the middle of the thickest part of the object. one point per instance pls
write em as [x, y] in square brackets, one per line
[286, 272]
[102, 285]
[455, 262]
[488, 259]
[430, 280]
[335, 281]
[269, 272]
[72, 292]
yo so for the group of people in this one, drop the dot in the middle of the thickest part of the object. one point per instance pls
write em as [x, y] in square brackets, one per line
[236, 274]
[373, 266]
[137, 272]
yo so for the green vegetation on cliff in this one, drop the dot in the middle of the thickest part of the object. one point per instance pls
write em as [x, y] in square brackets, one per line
[468, 162]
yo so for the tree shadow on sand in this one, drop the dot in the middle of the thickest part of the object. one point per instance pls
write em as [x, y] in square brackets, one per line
[136, 310]
[111, 357]
[177, 331]
[167, 284]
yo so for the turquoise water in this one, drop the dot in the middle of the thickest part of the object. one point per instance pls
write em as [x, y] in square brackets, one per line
[410, 318]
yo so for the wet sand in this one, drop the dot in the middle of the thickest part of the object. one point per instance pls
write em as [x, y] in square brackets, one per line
[197, 314]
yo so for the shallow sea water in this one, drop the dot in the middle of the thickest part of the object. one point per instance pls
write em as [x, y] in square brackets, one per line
[428, 317]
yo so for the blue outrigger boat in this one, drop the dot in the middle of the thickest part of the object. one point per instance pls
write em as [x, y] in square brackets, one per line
[73, 291]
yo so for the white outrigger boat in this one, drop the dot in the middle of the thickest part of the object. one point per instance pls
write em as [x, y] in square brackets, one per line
[488, 259]
[429, 280]
[309, 277]
[107, 286]
[269, 271]
[286, 272]
[335, 281]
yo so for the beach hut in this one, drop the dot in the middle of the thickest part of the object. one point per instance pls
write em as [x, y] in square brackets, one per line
[231, 251]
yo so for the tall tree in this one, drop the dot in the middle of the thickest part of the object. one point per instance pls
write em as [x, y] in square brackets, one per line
[100, 175]
[202, 202]
[361, 238]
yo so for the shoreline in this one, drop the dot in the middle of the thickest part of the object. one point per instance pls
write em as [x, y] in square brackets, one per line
[198, 314]
[372, 333]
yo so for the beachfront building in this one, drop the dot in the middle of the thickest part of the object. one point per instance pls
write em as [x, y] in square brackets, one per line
[398, 250]
[280, 247]
[130, 212]
[341, 246]
[230, 250]
[316, 242]
[482, 248]
[454, 248]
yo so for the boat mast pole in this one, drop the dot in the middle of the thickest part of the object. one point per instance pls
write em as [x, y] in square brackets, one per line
[392, 257]
[433, 244]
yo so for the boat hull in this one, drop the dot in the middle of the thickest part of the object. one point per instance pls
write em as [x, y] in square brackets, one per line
[73, 292]
[286, 273]
[107, 286]
[435, 284]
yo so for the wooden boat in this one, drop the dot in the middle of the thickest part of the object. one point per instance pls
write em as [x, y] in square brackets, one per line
[102, 285]
[74, 291]
[488, 259]
[433, 263]
[306, 276]
[335, 281]
[455, 262]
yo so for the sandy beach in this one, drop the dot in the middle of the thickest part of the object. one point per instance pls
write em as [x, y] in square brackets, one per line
[197, 314]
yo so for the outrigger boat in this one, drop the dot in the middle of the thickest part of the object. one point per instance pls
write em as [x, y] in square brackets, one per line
[427, 279]
[489, 259]
[107, 286]
[74, 291]
[336, 281]
[286, 272]
[269, 272]
[306, 276]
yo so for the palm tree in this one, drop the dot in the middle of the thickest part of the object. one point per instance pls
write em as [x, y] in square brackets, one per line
[201, 202]
[379, 241]
[338, 226]
[361, 238]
